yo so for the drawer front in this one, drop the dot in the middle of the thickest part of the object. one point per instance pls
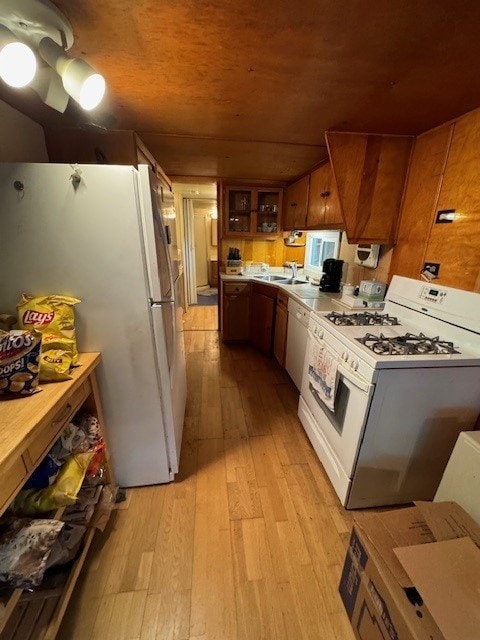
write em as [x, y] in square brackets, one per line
[12, 477]
[266, 289]
[236, 288]
[50, 430]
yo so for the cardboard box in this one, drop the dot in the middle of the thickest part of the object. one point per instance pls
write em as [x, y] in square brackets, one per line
[441, 601]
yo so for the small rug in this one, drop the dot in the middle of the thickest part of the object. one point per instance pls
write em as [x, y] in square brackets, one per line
[208, 300]
[209, 291]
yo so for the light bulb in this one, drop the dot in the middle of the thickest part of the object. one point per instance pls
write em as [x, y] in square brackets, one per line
[17, 64]
[92, 92]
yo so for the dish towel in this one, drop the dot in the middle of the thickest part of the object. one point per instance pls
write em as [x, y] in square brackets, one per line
[322, 371]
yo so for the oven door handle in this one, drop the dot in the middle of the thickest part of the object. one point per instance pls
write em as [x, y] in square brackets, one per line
[354, 379]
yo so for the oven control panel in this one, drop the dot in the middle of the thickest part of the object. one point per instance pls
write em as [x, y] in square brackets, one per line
[431, 294]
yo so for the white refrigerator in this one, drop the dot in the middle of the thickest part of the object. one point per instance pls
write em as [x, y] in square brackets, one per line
[100, 233]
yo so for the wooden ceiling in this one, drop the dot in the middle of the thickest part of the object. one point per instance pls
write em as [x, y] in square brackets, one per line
[238, 88]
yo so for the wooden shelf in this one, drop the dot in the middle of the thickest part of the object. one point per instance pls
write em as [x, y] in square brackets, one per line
[38, 615]
[29, 429]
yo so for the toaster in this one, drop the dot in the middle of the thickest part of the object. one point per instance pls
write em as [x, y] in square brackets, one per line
[371, 290]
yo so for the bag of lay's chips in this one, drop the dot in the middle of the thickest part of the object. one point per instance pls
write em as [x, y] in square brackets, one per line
[56, 359]
[55, 365]
[53, 316]
[19, 361]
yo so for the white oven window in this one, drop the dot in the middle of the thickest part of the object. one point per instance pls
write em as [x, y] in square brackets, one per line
[320, 246]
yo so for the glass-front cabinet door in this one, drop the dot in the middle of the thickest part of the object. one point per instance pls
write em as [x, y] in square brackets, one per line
[254, 211]
[240, 209]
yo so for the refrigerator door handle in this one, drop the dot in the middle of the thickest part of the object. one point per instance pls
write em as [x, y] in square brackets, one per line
[169, 331]
[153, 302]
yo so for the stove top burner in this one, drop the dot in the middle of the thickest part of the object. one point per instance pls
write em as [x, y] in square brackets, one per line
[361, 319]
[407, 345]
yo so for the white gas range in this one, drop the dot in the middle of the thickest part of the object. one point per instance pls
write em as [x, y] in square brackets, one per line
[406, 382]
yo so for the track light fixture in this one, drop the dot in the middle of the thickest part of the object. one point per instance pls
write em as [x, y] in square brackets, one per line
[37, 25]
[79, 79]
[17, 61]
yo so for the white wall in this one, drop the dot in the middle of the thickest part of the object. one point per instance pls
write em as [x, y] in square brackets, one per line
[21, 139]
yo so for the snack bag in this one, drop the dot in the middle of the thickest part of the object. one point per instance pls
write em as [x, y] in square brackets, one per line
[51, 315]
[19, 361]
[53, 341]
[55, 365]
[24, 548]
[62, 492]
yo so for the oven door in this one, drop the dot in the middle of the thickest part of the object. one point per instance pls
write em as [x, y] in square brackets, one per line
[343, 427]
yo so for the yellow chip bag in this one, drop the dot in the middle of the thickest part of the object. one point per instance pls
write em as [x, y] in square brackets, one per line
[55, 365]
[62, 492]
[52, 316]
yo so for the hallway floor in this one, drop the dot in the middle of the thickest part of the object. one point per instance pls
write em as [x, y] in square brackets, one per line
[249, 540]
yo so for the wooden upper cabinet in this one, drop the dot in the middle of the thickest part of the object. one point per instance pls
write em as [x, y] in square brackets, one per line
[252, 211]
[323, 210]
[296, 200]
[369, 172]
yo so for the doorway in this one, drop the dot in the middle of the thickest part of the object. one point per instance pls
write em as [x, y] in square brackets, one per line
[197, 205]
[204, 230]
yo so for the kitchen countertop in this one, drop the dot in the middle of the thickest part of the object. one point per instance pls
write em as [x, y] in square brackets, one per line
[306, 294]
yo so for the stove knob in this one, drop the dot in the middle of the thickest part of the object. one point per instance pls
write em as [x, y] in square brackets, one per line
[345, 356]
[355, 365]
[320, 334]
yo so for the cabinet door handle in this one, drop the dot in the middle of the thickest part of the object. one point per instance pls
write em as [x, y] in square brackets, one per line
[325, 194]
[68, 409]
[293, 204]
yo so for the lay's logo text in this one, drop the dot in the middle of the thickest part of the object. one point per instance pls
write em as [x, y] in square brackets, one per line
[37, 317]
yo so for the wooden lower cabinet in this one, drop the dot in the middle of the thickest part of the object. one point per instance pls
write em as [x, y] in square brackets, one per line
[262, 327]
[281, 324]
[257, 313]
[264, 299]
[236, 311]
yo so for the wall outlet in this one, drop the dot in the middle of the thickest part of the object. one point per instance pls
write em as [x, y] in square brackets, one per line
[445, 215]
[432, 267]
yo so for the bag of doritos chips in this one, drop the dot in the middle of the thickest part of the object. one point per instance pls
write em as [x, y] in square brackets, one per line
[19, 361]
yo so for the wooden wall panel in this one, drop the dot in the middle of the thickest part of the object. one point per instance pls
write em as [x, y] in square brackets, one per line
[456, 246]
[421, 194]
[370, 172]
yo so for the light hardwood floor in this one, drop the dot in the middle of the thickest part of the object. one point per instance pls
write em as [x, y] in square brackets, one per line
[246, 544]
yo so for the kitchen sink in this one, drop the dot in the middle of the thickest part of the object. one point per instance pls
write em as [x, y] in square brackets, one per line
[294, 281]
[272, 278]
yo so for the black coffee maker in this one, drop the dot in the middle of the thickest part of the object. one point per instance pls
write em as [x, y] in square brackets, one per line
[332, 275]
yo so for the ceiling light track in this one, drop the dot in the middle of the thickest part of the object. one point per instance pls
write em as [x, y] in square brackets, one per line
[34, 38]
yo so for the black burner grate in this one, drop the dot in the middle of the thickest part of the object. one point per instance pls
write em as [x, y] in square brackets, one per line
[365, 318]
[407, 345]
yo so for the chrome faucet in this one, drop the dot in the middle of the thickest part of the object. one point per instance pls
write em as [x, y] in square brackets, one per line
[294, 267]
